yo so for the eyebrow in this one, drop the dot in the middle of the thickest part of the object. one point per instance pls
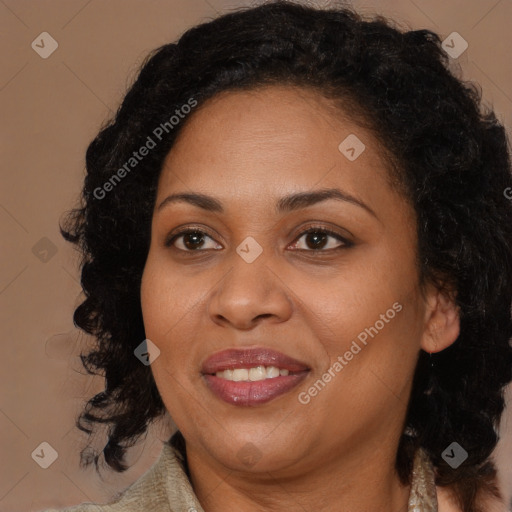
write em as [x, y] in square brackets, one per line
[285, 204]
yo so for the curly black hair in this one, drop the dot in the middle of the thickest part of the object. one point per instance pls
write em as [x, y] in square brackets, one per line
[450, 155]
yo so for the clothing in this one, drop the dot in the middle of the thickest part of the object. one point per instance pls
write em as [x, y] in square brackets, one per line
[166, 487]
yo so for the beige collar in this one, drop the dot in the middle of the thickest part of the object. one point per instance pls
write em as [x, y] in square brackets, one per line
[423, 496]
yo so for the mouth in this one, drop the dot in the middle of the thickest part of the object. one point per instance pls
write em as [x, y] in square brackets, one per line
[250, 377]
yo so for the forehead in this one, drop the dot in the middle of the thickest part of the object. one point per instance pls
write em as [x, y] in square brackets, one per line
[251, 143]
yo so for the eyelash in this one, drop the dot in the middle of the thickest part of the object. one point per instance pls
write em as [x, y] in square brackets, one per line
[312, 229]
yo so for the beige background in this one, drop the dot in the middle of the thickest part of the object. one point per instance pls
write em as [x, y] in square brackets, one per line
[50, 110]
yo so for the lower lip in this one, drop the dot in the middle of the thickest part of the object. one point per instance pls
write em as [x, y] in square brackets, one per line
[253, 393]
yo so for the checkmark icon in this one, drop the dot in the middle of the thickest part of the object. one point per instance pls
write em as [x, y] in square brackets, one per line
[44, 45]
[249, 249]
[45, 455]
[454, 45]
[146, 352]
[44, 249]
[351, 147]
[454, 455]
[249, 454]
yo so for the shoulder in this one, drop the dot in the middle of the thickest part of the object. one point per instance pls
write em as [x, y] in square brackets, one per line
[149, 492]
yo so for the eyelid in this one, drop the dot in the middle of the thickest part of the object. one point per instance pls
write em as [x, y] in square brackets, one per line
[319, 228]
[303, 230]
[171, 237]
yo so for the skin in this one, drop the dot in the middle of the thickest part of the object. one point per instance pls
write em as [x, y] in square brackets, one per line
[247, 149]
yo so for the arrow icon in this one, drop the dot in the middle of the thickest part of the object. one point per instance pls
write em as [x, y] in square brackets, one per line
[452, 454]
[450, 45]
[41, 456]
[352, 150]
[40, 45]
[246, 248]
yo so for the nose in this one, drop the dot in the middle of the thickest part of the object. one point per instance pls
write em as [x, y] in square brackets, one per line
[248, 294]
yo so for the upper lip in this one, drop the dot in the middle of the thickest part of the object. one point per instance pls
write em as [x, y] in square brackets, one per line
[249, 358]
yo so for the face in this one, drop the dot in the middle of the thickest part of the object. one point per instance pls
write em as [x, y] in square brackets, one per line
[311, 303]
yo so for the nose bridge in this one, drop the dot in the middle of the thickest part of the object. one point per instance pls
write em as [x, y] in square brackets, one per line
[252, 269]
[250, 289]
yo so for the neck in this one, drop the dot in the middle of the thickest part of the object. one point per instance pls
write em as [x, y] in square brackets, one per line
[338, 484]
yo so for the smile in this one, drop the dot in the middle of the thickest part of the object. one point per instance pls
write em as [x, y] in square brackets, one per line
[250, 377]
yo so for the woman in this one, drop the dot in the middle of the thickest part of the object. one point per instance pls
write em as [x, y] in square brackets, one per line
[296, 242]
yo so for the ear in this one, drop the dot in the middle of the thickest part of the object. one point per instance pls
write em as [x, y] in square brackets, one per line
[442, 320]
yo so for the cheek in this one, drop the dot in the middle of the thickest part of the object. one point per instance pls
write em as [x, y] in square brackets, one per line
[166, 298]
[159, 305]
[154, 301]
[349, 301]
[376, 356]
[173, 306]
[370, 315]
[371, 363]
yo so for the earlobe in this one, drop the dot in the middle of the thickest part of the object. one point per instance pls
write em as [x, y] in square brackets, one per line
[442, 321]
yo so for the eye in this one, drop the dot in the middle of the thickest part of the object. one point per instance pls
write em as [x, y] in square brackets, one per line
[317, 239]
[192, 239]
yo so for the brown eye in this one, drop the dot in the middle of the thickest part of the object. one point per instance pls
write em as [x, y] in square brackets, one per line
[191, 240]
[317, 239]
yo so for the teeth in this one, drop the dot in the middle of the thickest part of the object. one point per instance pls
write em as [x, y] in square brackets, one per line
[252, 374]
[272, 372]
[258, 373]
[240, 374]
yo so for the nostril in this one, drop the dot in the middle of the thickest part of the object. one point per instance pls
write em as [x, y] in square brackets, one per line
[264, 315]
